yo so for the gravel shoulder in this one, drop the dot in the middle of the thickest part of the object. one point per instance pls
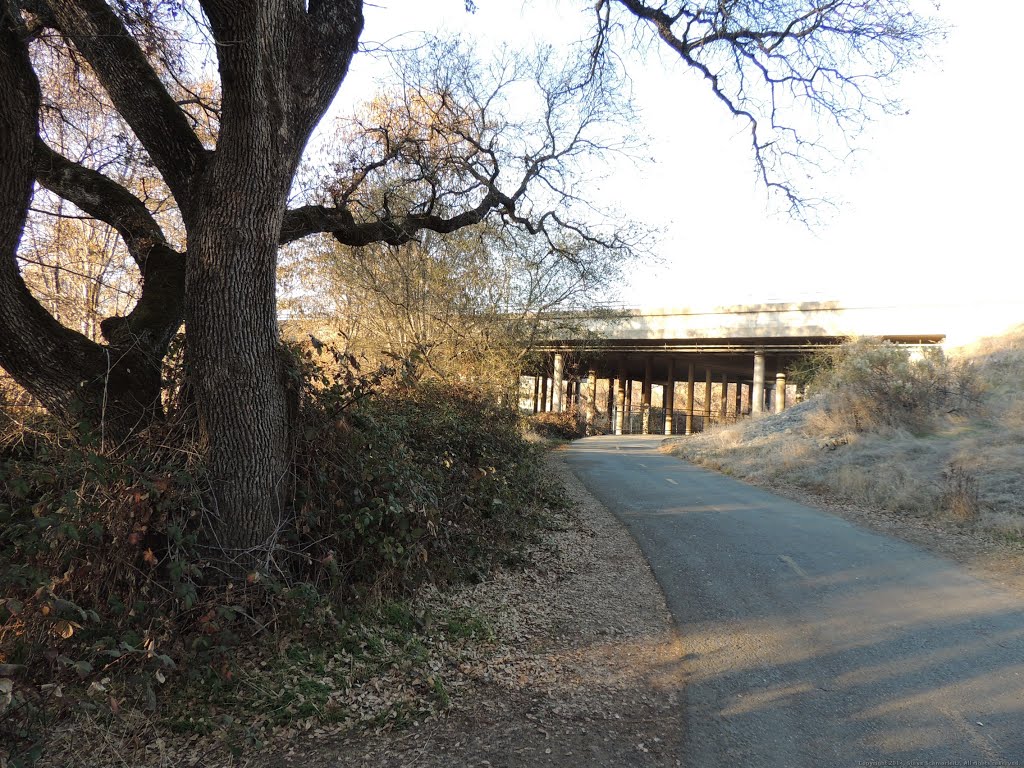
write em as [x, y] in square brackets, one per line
[583, 669]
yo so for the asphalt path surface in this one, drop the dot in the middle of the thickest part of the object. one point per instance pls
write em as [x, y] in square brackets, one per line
[810, 641]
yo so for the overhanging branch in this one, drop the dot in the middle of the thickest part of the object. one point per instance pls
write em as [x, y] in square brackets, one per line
[135, 89]
[101, 198]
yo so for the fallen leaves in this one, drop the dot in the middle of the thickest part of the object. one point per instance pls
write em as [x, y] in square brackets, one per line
[64, 629]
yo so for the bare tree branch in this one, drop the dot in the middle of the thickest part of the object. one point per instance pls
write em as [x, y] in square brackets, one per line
[100, 197]
[444, 150]
[312, 219]
[135, 89]
[805, 75]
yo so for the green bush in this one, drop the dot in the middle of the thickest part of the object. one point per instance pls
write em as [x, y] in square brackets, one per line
[427, 482]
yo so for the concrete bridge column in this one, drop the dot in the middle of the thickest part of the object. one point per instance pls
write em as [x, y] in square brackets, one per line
[780, 391]
[620, 400]
[544, 393]
[591, 396]
[629, 406]
[723, 406]
[707, 398]
[611, 401]
[645, 397]
[557, 383]
[669, 396]
[739, 398]
[689, 399]
[757, 390]
[536, 393]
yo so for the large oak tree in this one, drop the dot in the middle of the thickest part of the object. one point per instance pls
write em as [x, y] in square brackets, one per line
[280, 64]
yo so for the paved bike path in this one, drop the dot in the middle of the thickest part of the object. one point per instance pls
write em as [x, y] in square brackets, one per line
[811, 641]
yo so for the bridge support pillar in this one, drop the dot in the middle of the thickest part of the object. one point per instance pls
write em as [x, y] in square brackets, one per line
[707, 399]
[591, 397]
[669, 397]
[739, 398]
[723, 406]
[645, 397]
[629, 407]
[536, 393]
[544, 392]
[780, 391]
[610, 405]
[689, 399]
[557, 385]
[757, 390]
[620, 400]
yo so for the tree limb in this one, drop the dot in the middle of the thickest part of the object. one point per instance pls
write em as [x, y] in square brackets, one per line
[135, 89]
[157, 314]
[101, 198]
[330, 37]
[765, 59]
[311, 219]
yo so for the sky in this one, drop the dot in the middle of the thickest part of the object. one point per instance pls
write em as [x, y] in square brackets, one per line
[930, 206]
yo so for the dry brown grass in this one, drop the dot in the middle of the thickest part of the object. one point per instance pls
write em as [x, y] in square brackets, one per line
[961, 465]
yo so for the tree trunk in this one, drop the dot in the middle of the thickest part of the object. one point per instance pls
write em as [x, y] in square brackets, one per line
[280, 63]
[231, 340]
[233, 364]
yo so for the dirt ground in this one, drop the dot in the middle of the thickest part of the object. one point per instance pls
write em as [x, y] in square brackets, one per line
[585, 668]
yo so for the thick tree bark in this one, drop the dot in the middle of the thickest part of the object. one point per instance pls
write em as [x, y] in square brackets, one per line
[234, 221]
[232, 359]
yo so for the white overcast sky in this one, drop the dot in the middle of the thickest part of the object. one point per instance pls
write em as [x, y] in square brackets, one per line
[933, 206]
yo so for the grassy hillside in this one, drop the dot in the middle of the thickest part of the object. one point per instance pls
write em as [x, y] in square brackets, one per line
[940, 437]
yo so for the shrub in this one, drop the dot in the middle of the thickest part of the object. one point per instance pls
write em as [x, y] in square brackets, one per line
[430, 481]
[960, 496]
[872, 384]
[104, 580]
[567, 425]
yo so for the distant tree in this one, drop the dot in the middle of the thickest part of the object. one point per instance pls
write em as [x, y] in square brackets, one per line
[469, 306]
[469, 303]
[280, 63]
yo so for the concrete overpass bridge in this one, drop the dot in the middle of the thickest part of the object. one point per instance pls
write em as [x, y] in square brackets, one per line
[676, 371]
